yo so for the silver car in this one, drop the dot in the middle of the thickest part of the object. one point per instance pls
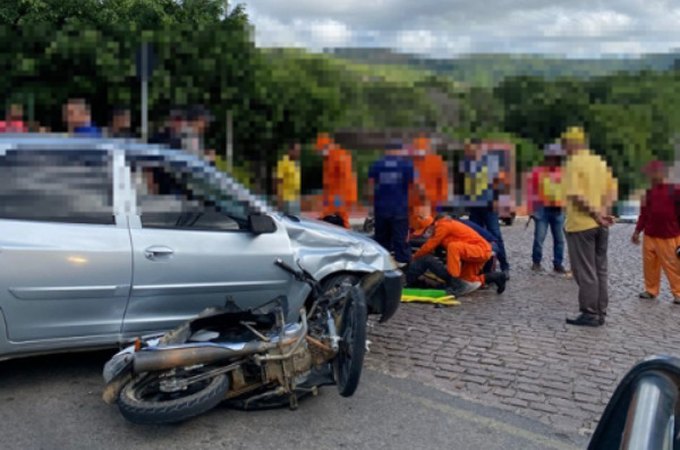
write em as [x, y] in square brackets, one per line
[105, 240]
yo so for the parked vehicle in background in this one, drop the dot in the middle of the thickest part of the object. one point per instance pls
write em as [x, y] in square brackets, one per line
[105, 240]
[628, 211]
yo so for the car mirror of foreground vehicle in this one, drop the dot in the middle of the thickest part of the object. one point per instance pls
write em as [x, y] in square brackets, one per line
[261, 224]
[641, 414]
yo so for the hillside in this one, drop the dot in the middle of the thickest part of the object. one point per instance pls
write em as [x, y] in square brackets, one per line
[490, 69]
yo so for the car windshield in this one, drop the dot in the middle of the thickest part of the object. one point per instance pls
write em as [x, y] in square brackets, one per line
[179, 174]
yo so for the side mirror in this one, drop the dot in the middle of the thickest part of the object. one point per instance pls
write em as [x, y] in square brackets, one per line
[261, 224]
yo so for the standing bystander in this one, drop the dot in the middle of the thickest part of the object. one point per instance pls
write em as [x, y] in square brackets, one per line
[14, 120]
[389, 181]
[339, 181]
[590, 191]
[659, 222]
[545, 202]
[78, 118]
[288, 180]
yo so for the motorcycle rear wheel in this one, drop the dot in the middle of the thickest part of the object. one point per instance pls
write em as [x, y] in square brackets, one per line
[349, 361]
[142, 401]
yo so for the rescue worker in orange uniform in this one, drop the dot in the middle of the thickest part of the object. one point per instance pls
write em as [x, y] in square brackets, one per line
[431, 175]
[339, 180]
[466, 254]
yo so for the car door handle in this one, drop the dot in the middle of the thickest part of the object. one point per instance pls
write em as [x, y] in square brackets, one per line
[158, 252]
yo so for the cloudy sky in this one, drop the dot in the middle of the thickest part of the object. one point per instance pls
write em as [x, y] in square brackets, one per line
[443, 28]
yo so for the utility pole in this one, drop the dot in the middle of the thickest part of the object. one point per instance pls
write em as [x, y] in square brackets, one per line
[145, 91]
[230, 147]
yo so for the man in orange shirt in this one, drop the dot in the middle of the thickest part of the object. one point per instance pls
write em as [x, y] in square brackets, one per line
[466, 254]
[431, 174]
[339, 180]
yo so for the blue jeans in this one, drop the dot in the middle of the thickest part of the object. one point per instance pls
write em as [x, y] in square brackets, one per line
[487, 218]
[391, 233]
[552, 218]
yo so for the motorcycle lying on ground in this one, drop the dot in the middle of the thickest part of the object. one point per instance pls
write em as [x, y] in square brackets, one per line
[252, 358]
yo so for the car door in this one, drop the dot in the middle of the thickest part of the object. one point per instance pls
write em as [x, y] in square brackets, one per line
[65, 263]
[192, 248]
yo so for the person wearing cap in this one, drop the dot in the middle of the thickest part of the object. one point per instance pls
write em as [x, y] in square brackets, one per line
[658, 221]
[339, 180]
[389, 181]
[590, 191]
[466, 254]
[545, 202]
[431, 175]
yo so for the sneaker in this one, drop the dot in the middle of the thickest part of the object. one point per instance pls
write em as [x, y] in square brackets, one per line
[497, 278]
[647, 296]
[506, 272]
[586, 320]
[459, 287]
[536, 267]
[676, 300]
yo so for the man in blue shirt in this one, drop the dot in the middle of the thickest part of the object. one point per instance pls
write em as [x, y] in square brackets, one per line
[390, 179]
[78, 118]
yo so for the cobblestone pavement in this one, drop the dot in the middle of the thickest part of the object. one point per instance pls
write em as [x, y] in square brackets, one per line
[515, 351]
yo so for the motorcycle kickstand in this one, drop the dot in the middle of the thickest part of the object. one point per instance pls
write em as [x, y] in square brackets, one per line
[293, 402]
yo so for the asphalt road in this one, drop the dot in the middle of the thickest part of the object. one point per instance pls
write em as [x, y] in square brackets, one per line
[54, 402]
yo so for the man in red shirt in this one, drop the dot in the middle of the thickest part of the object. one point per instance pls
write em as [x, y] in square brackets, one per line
[659, 222]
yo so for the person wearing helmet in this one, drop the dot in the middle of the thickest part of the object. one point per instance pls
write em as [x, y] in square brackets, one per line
[545, 203]
[590, 191]
[466, 254]
[339, 181]
[659, 222]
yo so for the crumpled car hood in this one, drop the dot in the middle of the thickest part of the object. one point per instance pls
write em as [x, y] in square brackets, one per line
[322, 248]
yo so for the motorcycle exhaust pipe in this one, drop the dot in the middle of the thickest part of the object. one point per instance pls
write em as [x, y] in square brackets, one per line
[165, 359]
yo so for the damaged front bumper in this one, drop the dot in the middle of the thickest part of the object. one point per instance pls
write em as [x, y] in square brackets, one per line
[386, 298]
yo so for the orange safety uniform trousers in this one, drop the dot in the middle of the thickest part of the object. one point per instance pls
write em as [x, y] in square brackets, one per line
[659, 253]
[465, 260]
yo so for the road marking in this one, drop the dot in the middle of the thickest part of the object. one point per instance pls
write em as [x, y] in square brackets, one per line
[481, 420]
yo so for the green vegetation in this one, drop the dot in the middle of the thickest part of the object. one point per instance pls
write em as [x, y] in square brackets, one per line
[55, 49]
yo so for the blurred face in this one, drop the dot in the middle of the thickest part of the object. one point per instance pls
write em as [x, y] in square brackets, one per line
[470, 150]
[571, 146]
[295, 152]
[122, 121]
[76, 115]
[553, 161]
[15, 113]
[657, 176]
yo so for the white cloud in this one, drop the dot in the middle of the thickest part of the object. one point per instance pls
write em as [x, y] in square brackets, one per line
[580, 24]
[436, 28]
[327, 33]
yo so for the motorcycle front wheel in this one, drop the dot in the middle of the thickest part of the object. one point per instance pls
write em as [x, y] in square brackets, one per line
[144, 401]
[349, 361]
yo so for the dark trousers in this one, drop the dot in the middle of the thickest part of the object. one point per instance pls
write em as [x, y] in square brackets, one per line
[420, 266]
[553, 219]
[588, 257]
[487, 218]
[391, 233]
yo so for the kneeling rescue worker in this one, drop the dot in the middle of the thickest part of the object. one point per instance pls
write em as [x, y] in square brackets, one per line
[466, 254]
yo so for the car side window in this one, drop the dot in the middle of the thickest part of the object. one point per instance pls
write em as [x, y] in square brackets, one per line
[71, 186]
[174, 196]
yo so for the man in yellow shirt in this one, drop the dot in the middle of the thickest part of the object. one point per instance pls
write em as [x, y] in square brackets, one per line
[590, 191]
[288, 181]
